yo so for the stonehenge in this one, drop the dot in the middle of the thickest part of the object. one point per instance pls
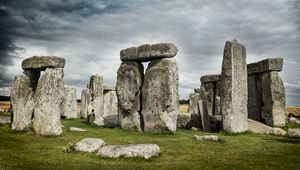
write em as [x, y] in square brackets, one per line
[70, 103]
[255, 90]
[148, 102]
[39, 100]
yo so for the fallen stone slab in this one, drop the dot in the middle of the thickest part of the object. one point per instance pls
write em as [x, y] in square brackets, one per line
[278, 132]
[4, 120]
[89, 145]
[257, 127]
[129, 151]
[292, 133]
[207, 138]
[270, 64]
[75, 129]
[43, 62]
[149, 52]
[108, 87]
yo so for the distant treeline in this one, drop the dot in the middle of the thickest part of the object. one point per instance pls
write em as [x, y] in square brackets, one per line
[4, 98]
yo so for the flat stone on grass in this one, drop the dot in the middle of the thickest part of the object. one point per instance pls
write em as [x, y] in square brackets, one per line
[89, 145]
[129, 151]
[75, 129]
[207, 138]
[293, 133]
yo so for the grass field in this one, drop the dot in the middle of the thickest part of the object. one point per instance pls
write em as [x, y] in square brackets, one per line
[26, 150]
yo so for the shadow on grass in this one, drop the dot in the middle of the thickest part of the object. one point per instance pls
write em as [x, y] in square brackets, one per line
[286, 140]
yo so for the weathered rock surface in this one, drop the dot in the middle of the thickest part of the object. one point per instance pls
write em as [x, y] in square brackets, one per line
[254, 97]
[128, 151]
[70, 103]
[233, 88]
[22, 100]
[149, 52]
[207, 138]
[294, 120]
[75, 129]
[89, 145]
[4, 120]
[110, 109]
[197, 90]
[108, 87]
[85, 100]
[257, 127]
[270, 64]
[188, 120]
[273, 95]
[96, 104]
[293, 133]
[129, 82]
[278, 132]
[43, 62]
[160, 96]
[49, 98]
[204, 110]
[210, 78]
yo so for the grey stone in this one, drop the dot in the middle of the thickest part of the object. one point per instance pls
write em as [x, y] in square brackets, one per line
[197, 90]
[183, 119]
[258, 127]
[149, 52]
[273, 95]
[89, 145]
[107, 87]
[293, 133]
[96, 105]
[43, 62]
[22, 100]
[129, 151]
[278, 131]
[294, 120]
[110, 109]
[254, 97]
[270, 64]
[215, 122]
[85, 99]
[160, 96]
[70, 103]
[129, 81]
[209, 94]
[207, 138]
[4, 120]
[75, 129]
[49, 97]
[233, 88]
[210, 78]
[193, 103]
[204, 110]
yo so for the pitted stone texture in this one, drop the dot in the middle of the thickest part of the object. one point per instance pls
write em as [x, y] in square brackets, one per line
[129, 151]
[293, 133]
[110, 109]
[49, 98]
[273, 109]
[261, 128]
[107, 87]
[129, 81]
[96, 92]
[188, 120]
[193, 103]
[70, 103]
[204, 110]
[233, 86]
[210, 78]
[22, 100]
[207, 138]
[85, 99]
[76, 129]
[197, 90]
[254, 97]
[270, 64]
[160, 96]
[43, 62]
[89, 145]
[149, 52]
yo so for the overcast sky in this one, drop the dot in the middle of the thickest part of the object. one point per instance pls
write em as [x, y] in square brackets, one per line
[90, 34]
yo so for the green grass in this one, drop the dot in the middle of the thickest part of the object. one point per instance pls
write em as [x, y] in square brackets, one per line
[26, 150]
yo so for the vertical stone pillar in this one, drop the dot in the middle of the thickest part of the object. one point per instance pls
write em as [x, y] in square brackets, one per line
[194, 110]
[49, 98]
[273, 109]
[234, 90]
[160, 96]
[70, 103]
[110, 107]
[204, 110]
[22, 100]
[96, 91]
[85, 98]
[129, 82]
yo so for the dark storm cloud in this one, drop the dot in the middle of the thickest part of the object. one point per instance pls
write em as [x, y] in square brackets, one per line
[90, 34]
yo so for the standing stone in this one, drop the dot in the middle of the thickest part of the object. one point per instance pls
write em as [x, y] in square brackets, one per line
[96, 91]
[254, 97]
[85, 97]
[110, 108]
[160, 96]
[194, 110]
[49, 98]
[204, 110]
[273, 109]
[233, 86]
[22, 100]
[129, 82]
[70, 103]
